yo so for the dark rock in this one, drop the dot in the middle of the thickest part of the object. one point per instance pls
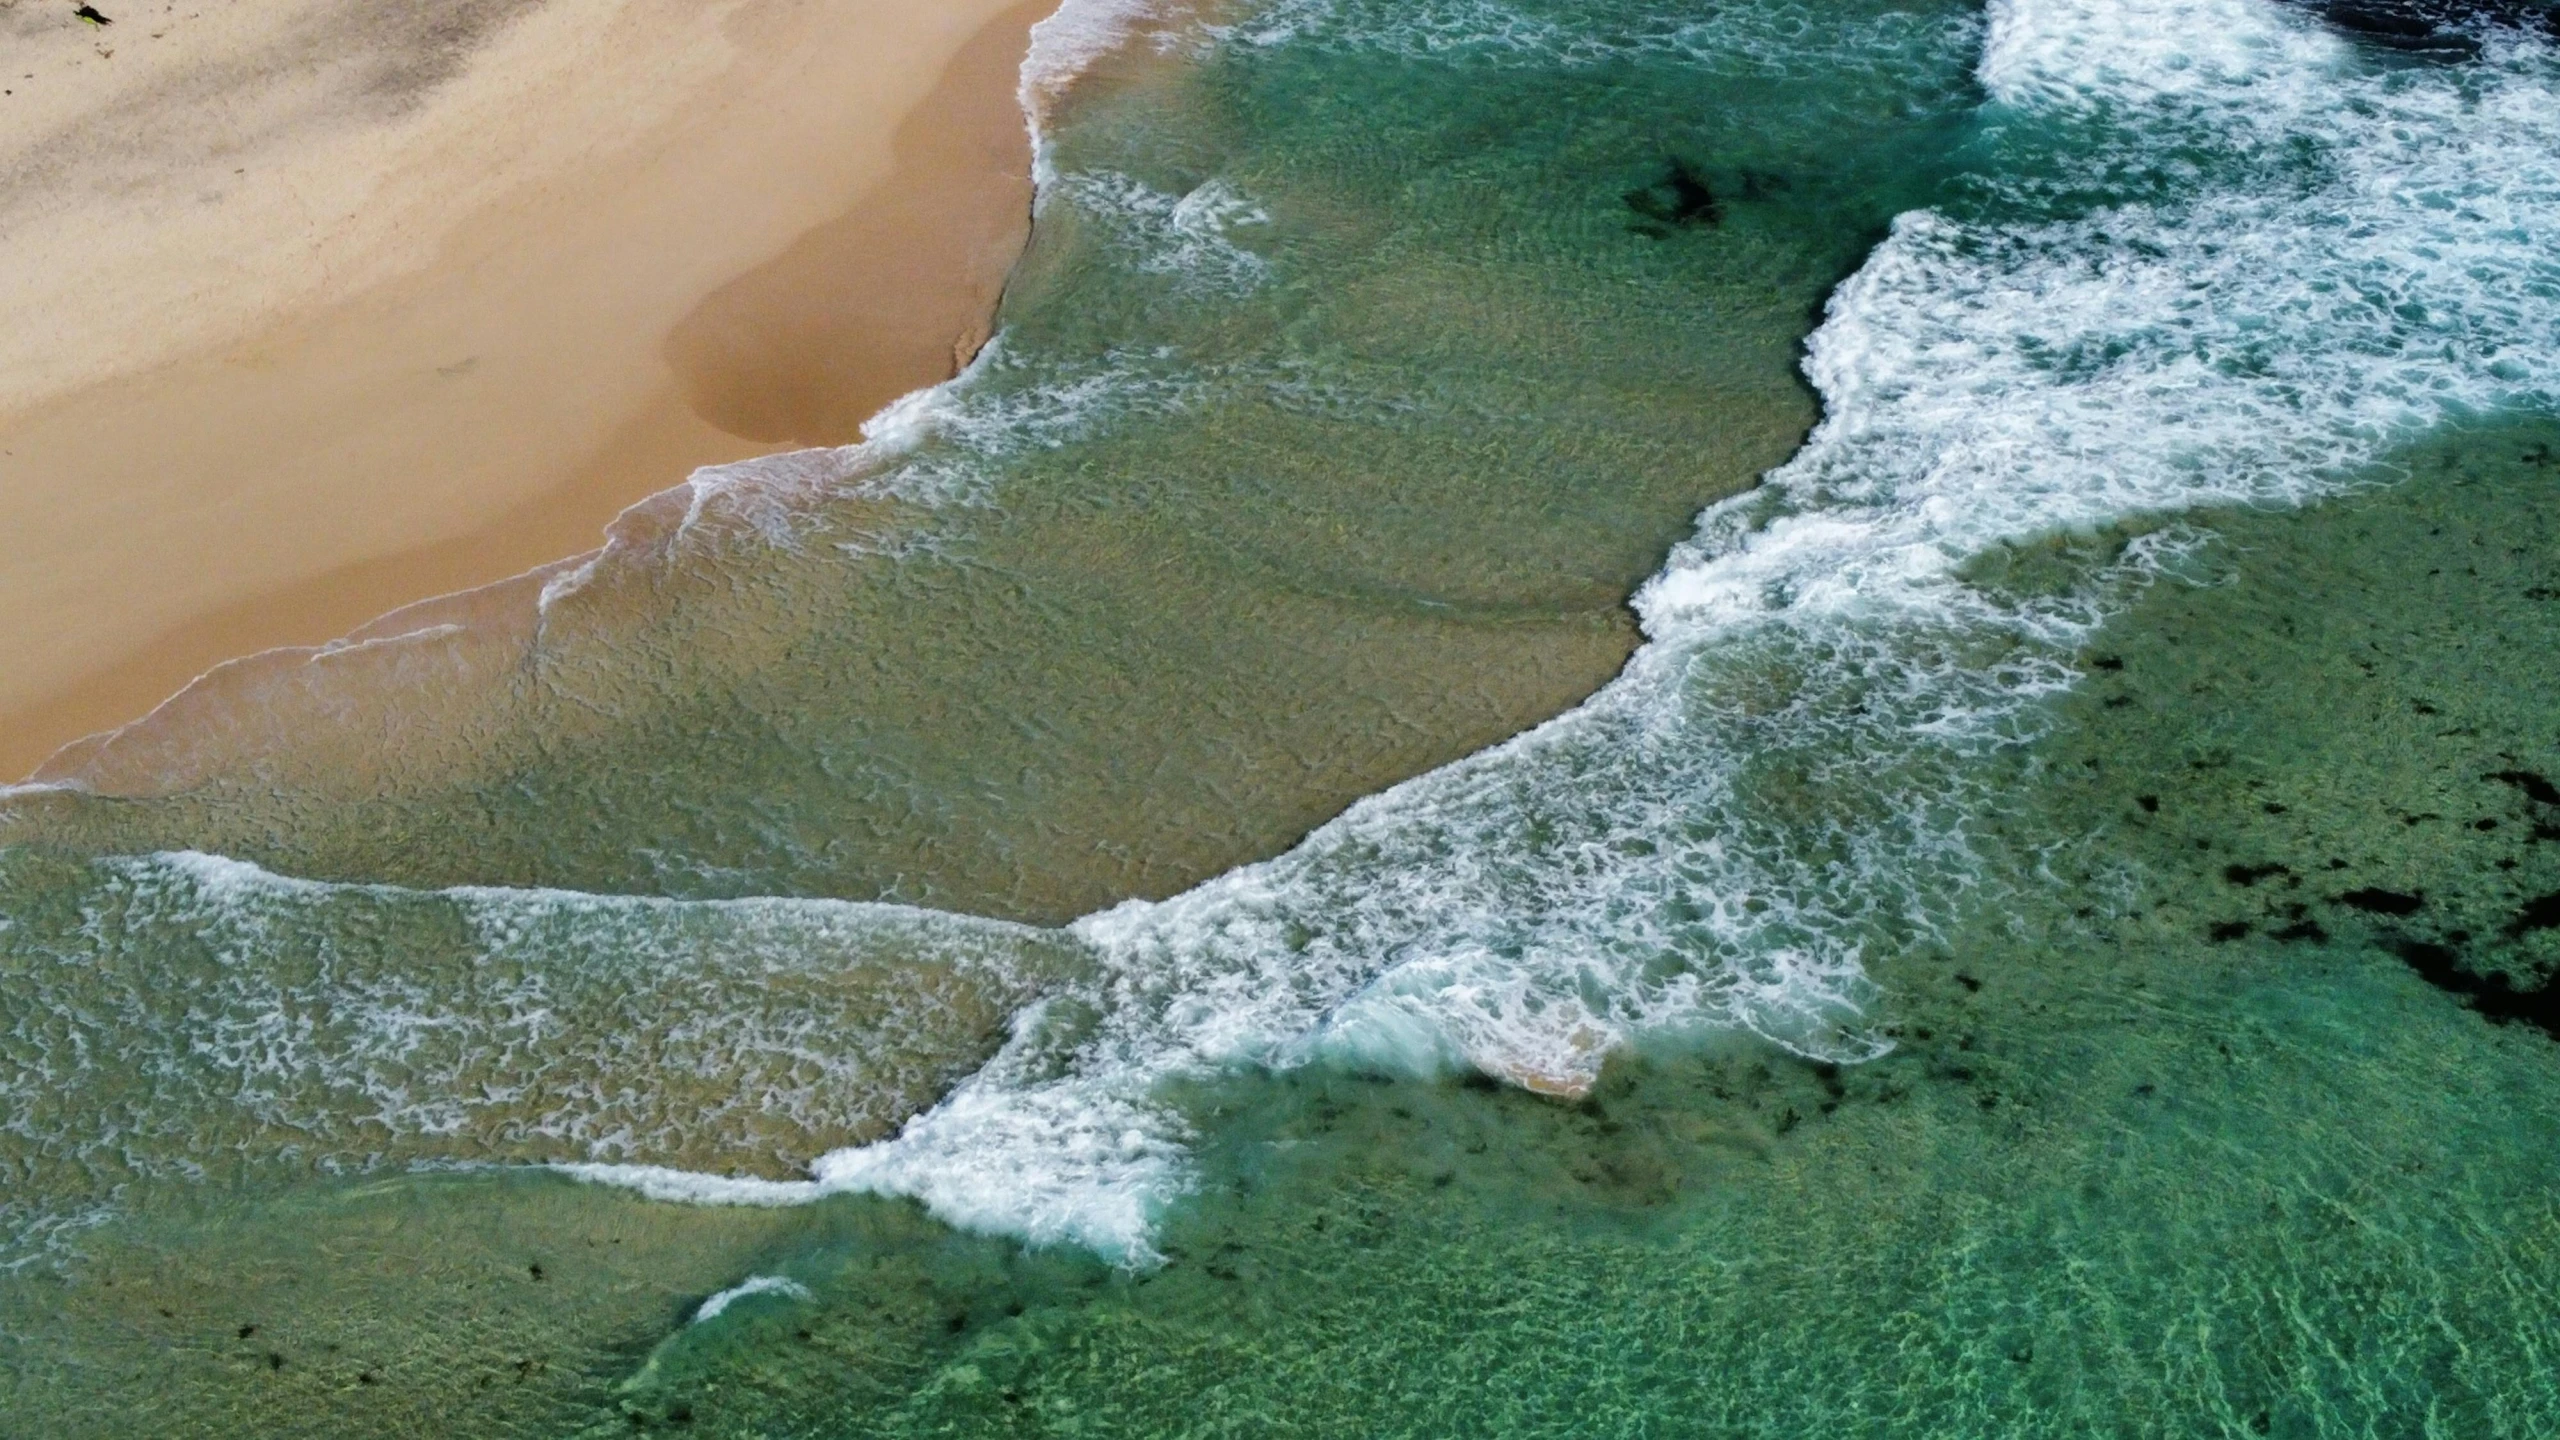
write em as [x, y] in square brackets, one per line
[2539, 913]
[2252, 874]
[2494, 995]
[2441, 29]
[2384, 902]
[2534, 786]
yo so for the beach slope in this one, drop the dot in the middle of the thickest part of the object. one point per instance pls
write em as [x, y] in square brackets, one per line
[314, 309]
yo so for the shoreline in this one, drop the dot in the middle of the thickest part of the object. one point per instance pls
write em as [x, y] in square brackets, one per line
[566, 349]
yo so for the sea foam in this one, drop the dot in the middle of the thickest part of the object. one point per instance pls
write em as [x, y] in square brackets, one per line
[2340, 257]
[752, 1286]
[184, 1015]
[1787, 774]
[2210, 255]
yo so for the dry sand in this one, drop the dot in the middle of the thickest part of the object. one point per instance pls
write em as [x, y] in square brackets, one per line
[310, 308]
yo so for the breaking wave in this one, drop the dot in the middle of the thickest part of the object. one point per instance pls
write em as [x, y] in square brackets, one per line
[2340, 256]
[2207, 253]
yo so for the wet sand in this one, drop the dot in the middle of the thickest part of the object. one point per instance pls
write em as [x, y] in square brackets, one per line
[314, 311]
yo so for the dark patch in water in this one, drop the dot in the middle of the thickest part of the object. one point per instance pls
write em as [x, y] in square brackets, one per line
[2437, 29]
[2493, 995]
[2534, 786]
[2376, 901]
[2252, 874]
[2539, 913]
[1681, 197]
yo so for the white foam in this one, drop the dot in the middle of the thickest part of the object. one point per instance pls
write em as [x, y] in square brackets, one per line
[219, 1013]
[1785, 774]
[1190, 236]
[2078, 56]
[1767, 40]
[782, 1285]
[938, 448]
[1056, 1163]
[1077, 35]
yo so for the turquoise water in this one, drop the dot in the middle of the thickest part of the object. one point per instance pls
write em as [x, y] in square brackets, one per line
[1340, 402]
[2048, 932]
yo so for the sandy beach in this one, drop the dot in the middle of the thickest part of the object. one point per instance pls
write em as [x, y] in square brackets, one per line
[314, 309]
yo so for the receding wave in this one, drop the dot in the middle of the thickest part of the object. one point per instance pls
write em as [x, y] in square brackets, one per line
[184, 1016]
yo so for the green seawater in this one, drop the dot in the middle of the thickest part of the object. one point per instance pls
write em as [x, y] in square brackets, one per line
[2102, 985]
[2126, 1172]
[1341, 472]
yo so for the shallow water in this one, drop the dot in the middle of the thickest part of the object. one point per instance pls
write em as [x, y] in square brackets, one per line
[1322, 444]
[2125, 1171]
[2047, 934]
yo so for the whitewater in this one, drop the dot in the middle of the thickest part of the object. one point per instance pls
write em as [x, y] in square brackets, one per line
[2206, 253]
[1780, 779]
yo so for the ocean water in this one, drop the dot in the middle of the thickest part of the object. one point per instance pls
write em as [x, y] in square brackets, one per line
[1322, 443]
[2043, 923]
